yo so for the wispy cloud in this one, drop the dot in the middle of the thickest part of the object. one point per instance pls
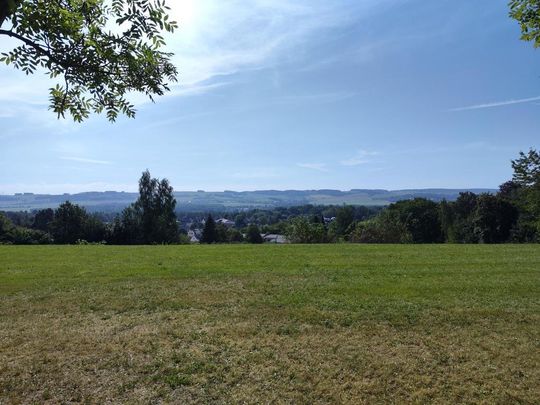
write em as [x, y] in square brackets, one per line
[361, 157]
[321, 167]
[217, 39]
[220, 38]
[496, 104]
[85, 160]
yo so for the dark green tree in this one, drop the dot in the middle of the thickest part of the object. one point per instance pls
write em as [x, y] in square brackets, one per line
[344, 219]
[6, 226]
[461, 230]
[421, 219]
[209, 234]
[72, 40]
[222, 233]
[43, 220]
[151, 219]
[253, 234]
[526, 195]
[527, 168]
[127, 228]
[11, 234]
[155, 207]
[234, 236]
[493, 219]
[69, 224]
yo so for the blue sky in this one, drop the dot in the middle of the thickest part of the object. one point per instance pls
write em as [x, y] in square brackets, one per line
[304, 94]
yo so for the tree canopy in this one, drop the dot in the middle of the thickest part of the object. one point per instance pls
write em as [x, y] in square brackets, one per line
[209, 234]
[150, 219]
[527, 13]
[100, 50]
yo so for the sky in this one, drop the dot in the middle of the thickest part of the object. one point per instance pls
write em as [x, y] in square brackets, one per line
[299, 94]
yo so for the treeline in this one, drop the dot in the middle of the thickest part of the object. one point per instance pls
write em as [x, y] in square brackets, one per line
[511, 215]
[472, 218]
[150, 220]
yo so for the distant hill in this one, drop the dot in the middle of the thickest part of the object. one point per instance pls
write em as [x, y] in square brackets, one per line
[113, 201]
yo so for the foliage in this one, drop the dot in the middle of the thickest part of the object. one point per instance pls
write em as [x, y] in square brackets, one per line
[527, 168]
[511, 215]
[344, 219]
[99, 66]
[421, 219]
[234, 236]
[152, 218]
[301, 230]
[493, 219]
[385, 228]
[525, 195]
[253, 234]
[209, 234]
[18, 235]
[43, 219]
[457, 223]
[527, 13]
[156, 205]
[71, 223]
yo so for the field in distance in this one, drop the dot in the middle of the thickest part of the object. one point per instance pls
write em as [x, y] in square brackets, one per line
[261, 324]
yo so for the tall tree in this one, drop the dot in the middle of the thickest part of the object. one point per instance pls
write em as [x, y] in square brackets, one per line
[6, 227]
[43, 219]
[493, 219]
[73, 40]
[344, 219]
[462, 227]
[69, 223]
[155, 209]
[526, 195]
[209, 234]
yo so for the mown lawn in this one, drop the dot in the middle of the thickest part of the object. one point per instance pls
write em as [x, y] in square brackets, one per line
[270, 324]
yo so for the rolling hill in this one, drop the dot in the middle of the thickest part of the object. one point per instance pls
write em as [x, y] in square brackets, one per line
[112, 201]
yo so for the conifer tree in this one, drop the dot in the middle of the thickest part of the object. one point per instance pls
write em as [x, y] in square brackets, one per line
[209, 232]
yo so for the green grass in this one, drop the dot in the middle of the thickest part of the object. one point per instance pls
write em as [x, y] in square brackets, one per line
[261, 324]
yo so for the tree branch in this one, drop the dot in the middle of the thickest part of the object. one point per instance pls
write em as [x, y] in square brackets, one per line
[32, 44]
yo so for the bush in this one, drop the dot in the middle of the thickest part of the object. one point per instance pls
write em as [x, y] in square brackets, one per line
[300, 230]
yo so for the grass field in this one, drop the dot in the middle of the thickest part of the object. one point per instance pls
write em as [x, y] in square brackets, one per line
[270, 324]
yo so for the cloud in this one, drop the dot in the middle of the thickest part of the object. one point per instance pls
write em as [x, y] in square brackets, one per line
[219, 38]
[361, 157]
[496, 104]
[321, 167]
[216, 39]
[85, 160]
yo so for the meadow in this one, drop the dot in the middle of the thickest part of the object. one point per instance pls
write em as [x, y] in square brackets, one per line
[270, 324]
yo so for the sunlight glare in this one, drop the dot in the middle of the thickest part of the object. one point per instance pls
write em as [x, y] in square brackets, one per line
[183, 12]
